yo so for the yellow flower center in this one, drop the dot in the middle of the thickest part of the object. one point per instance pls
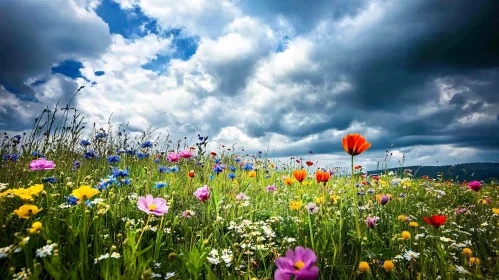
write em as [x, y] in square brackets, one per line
[152, 207]
[299, 265]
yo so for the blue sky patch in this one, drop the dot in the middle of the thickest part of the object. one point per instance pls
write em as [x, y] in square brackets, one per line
[69, 68]
[129, 23]
[99, 73]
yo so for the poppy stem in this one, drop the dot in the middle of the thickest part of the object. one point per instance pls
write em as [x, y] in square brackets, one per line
[352, 167]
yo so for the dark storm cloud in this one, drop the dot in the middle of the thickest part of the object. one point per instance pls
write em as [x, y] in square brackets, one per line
[36, 35]
[303, 15]
[393, 65]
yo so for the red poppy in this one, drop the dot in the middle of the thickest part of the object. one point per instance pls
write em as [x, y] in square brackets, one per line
[309, 163]
[191, 173]
[297, 161]
[192, 148]
[321, 176]
[375, 178]
[300, 175]
[213, 153]
[355, 144]
[435, 220]
[358, 166]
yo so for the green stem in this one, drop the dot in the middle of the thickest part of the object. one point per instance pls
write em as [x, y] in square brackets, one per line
[311, 231]
[142, 233]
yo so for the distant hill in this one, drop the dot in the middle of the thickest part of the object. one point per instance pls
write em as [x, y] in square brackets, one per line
[458, 172]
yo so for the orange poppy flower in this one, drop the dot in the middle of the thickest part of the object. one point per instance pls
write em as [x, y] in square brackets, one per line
[355, 144]
[300, 175]
[321, 176]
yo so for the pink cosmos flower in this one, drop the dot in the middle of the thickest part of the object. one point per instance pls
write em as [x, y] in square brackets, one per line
[150, 205]
[41, 164]
[475, 185]
[271, 188]
[299, 263]
[202, 193]
[173, 157]
[185, 154]
[242, 196]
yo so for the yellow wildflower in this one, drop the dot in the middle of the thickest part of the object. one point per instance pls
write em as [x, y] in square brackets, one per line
[474, 261]
[364, 267]
[252, 174]
[27, 211]
[467, 252]
[406, 235]
[84, 192]
[388, 266]
[288, 181]
[35, 227]
[320, 200]
[295, 205]
[495, 210]
[413, 224]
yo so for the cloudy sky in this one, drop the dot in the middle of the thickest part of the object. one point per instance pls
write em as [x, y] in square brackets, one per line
[418, 77]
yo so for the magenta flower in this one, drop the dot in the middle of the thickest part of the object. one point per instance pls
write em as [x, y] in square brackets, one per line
[242, 196]
[299, 263]
[202, 193]
[271, 188]
[41, 164]
[185, 154]
[173, 157]
[371, 222]
[150, 205]
[475, 185]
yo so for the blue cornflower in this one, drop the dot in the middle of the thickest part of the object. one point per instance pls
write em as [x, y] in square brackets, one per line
[232, 168]
[212, 177]
[156, 160]
[231, 176]
[12, 157]
[90, 154]
[16, 139]
[121, 173]
[217, 160]
[361, 193]
[101, 135]
[218, 168]
[126, 182]
[142, 155]
[268, 176]
[248, 167]
[173, 169]
[201, 138]
[76, 165]
[370, 191]
[131, 152]
[237, 160]
[146, 144]
[84, 142]
[37, 154]
[160, 185]
[51, 180]
[104, 183]
[162, 169]
[72, 200]
[113, 159]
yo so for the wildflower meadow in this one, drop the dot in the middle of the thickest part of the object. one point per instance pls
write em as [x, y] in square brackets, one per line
[110, 204]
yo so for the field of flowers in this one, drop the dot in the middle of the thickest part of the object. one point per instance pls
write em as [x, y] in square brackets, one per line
[109, 206]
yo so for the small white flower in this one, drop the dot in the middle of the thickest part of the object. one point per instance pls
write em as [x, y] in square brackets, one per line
[115, 255]
[409, 255]
[45, 251]
[156, 275]
[102, 257]
[461, 270]
[169, 275]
